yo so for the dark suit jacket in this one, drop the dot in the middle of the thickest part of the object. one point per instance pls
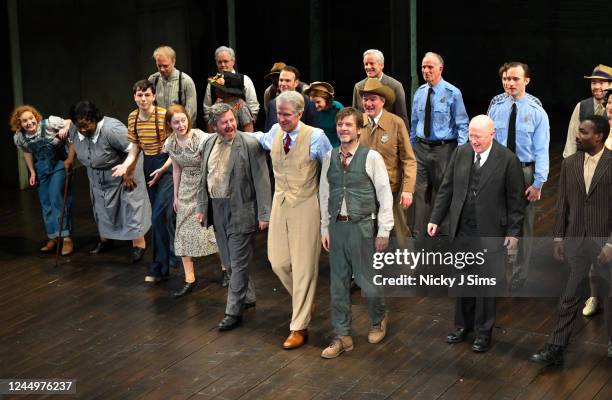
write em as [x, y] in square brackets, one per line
[249, 184]
[581, 214]
[500, 201]
[398, 107]
[309, 117]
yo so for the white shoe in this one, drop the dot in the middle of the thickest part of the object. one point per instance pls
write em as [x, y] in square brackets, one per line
[590, 307]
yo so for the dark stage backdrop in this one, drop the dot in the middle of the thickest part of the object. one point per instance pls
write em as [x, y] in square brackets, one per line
[96, 49]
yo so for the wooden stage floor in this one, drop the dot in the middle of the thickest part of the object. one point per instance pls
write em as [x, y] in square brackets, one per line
[94, 320]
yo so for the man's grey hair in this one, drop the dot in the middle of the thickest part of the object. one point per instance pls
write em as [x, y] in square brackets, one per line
[218, 109]
[436, 55]
[165, 50]
[293, 98]
[229, 51]
[376, 53]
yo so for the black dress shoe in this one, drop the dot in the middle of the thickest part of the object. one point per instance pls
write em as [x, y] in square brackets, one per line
[188, 288]
[229, 322]
[457, 336]
[250, 305]
[225, 279]
[101, 247]
[481, 344]
[517, 284]
[551, 354]
[137, 254]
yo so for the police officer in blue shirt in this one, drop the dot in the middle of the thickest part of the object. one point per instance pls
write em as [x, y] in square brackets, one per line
[521, 124]
[439, 123]
[502, 96]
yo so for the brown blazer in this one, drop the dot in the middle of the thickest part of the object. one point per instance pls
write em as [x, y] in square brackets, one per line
[581, 214]
[390, 138]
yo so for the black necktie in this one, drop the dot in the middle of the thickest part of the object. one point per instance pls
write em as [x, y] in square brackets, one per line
[511, 142]
[427, 126]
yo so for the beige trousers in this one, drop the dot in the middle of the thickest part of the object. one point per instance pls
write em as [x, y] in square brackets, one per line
[294, 246]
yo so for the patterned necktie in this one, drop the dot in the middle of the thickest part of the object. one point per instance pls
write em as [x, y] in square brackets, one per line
[345, 158]
[477, 163]
[427, 125]
[511, 142]
[287, 143]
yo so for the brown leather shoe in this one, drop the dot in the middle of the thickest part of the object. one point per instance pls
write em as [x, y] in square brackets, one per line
[67, 246]
[295, 339]
[50, 246]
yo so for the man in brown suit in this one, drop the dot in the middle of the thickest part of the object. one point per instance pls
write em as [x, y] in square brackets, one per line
[387, 134]
[583, 231]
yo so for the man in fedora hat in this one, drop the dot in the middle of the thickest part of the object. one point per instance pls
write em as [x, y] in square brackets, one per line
[439, 123]
[225, 59]
[373, 64]
[272, 76]
[386, 133]
[289, 79]
[601, 80]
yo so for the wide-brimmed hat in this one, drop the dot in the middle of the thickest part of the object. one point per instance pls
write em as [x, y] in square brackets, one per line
[374, 85]
[275, 71]
[320, 89]
[601, 72]
[228, 82]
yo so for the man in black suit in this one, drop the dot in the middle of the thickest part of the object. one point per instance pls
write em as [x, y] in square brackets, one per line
[583, 231]
[482, 192]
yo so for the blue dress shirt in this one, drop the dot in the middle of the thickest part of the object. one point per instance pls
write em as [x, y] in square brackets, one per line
[319, 143]
[532, 132]
[449, 120]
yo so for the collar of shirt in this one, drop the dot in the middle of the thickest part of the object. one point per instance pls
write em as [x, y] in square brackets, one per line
[227, 142]
[173, 76]
[595, 158]
[293, 134]
[96, 135]
[436, 88]
[484, 155]
[377, 118]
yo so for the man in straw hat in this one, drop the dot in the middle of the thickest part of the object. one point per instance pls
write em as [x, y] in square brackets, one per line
[373, 64]
[438, 124]
[386, 133]
[294, 239]
[601, 80]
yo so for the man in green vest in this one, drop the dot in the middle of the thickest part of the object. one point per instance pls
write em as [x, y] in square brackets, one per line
[354, 180]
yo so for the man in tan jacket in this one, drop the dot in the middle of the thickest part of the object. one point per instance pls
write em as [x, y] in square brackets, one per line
[387, 134]
[294, 238]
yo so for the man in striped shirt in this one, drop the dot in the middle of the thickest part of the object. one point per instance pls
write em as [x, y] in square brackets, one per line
[146, 131]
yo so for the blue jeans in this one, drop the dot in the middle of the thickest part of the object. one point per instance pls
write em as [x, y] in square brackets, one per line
[162, 217]
[51, 194]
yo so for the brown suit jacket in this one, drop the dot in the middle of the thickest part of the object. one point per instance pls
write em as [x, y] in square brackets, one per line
[390, 138]
[581, 214]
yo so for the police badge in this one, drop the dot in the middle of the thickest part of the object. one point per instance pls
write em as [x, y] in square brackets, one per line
[384, 138]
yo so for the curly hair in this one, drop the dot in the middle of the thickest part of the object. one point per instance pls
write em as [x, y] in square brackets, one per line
[15, 122]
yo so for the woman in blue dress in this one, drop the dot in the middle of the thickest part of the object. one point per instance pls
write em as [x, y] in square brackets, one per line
[45, 156]
[322, 95]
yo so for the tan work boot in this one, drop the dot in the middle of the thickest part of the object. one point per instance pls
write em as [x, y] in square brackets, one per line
[339, 345]
[378, 331]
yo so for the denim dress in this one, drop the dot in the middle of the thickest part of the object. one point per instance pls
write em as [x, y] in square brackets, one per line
[49, 153]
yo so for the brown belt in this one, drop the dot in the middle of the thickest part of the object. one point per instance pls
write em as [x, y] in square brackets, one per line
[343, 218]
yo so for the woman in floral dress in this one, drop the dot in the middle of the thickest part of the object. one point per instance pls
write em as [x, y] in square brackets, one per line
[185, 148]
